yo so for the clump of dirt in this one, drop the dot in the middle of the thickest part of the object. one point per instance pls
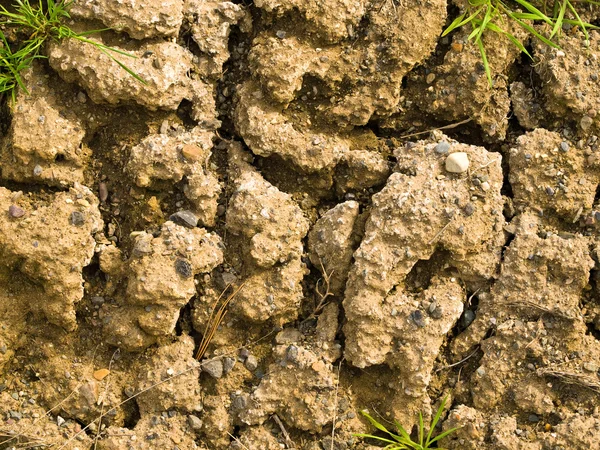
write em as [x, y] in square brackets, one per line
[291, 151]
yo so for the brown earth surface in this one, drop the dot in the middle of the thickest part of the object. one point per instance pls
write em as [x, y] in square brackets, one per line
[399, 230]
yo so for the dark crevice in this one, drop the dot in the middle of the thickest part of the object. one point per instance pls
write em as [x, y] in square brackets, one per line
[132, 415]
[184, 323]
[419, 277]
[592, 330]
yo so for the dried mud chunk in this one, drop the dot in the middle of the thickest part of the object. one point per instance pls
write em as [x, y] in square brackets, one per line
[331, 243]
[182, 392]
[297, 392]
[525, 363]
[211, 22]
[549, 173]
[165, 72]
[152, 19]
[267, 131]
[49, 251]
[44, 142]
[333, 20]
[419, 211]
[162, 157]
[460, 88]
[360, 169]
[268, 227]
[570, 78]
[150, 432]
[159, 282]
[258, 437]
[576, 431]
[538, 276]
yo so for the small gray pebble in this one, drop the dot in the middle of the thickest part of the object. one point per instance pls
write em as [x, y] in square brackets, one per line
[251, 363]
[549, 190]
[228, 364]
[281, 34]
[533, 418]
[97, 301]
[185, 218]
[15, 395]
[351, 415]
[37, 170]
[3, 349]
[16, 415]
[468, 318]
[292, 353]
[15, 212]
[76, 219]
[221, 210]
[183, 268]
[564, 146]
[244, 353]
[81, 97]
[442, 148]
[172, 413]
[214, 368]
[469, 209]
[418, 318]
[239, 403]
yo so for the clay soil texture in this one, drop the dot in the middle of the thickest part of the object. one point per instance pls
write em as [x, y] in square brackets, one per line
[397, 230]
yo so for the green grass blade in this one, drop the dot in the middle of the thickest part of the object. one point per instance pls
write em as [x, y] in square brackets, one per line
[435, 420]
[559, 20]
[532, 9]
[443, 435]
[513, 39]
[580, 22]
[378, 438]
[536, 34]
[486, 65]
[459, 22]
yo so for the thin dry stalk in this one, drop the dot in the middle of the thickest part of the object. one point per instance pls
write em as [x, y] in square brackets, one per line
[335, 405]
[573, 378]
[288, 441]
[215, 319]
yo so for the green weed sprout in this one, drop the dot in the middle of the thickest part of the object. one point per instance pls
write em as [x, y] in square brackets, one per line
[488, 15]
[43, 23]
[403, 441]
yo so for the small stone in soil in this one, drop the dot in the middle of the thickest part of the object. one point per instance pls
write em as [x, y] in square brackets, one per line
[15, 212]
[37, 170]
[194, 422]
[97, 301]
[442, 148]
[184, 218]
[469, 209]
[214, 368]
[468, 318]
[549, 190]
[457, 162]
[228, 364]
[564, 146]
[251, 363]
[103, 192]
[418, 318]
[244, 353]
[77, 219]
[183, 268]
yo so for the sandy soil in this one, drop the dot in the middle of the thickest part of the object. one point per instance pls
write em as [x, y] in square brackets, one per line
[399, 230]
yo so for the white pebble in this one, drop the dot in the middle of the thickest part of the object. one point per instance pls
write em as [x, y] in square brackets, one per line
[457, 162]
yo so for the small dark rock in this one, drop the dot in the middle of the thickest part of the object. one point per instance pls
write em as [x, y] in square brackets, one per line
[418, 318]
[183, 268]
[468, 318]
[469, 209]
[533, 418]
[77, 219]
[244, 353]
[292, 353]
[549, 190]
[185, 218]
[15, 212]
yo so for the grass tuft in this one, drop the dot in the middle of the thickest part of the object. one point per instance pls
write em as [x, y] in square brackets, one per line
[402, 440]
[42, 22]
[491, 15]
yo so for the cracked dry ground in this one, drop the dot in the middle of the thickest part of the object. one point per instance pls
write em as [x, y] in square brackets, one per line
[269, 149]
